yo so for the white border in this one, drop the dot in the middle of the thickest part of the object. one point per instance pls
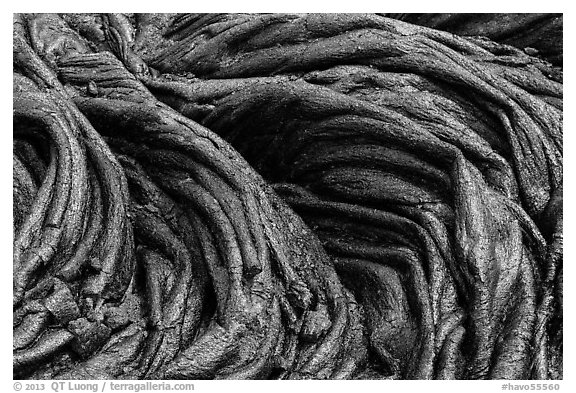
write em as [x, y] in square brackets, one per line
[9, 7]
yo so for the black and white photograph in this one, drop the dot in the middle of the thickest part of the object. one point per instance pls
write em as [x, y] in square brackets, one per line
[286, 196]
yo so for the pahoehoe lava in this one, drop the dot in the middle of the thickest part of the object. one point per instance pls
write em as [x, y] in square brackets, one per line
[287, 196]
